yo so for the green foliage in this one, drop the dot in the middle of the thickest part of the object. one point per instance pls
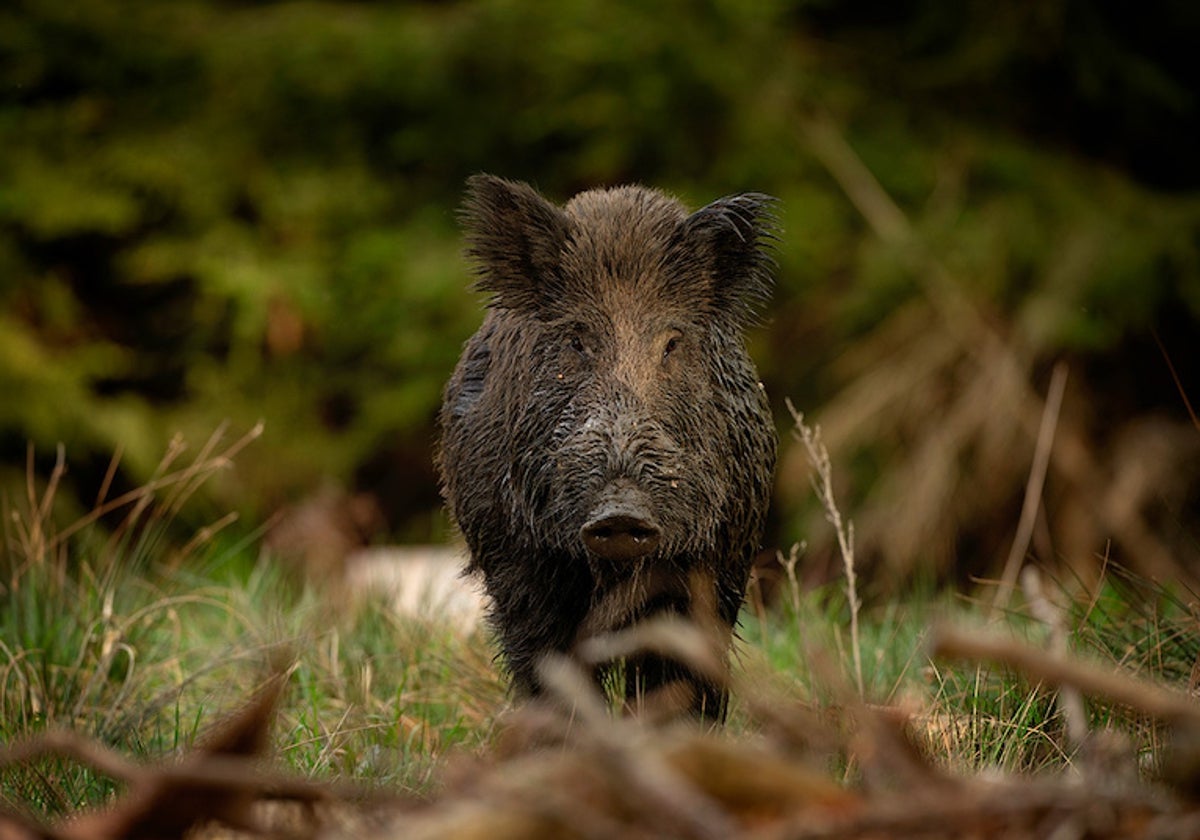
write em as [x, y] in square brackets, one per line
[216, 211]
[126, 637]
[972, 718]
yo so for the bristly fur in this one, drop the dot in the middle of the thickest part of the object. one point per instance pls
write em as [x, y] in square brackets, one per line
[611, 366]
[519, 242]
[739, 233]
[515, 238]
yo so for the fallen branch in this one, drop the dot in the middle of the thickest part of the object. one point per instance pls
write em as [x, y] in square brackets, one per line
[220, 781]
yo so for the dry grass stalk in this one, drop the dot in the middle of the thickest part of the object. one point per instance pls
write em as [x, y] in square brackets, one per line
[822, 482]
[789, 568]
[1033, 488]
[1175, 378]
[179, 484]
[963, 345]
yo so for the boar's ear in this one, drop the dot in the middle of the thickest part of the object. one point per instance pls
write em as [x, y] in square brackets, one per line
[515, 237]
[731, 241]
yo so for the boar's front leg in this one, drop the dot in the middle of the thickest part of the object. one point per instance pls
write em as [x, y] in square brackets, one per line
[659, 687]
[536, 611]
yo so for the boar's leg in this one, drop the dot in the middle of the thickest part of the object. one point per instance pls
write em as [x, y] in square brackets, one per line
[535, 612]
[658, 687]
[661, 686]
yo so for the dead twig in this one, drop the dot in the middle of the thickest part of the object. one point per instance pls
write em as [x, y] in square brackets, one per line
[1033, 488]
[1057, 670]
[219, 781]
[818, 457]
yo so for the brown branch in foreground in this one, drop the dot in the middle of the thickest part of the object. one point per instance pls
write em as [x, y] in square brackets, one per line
[220, 781]
[682, 809]
[66, 744]
[1158, 702]
[1003, 810]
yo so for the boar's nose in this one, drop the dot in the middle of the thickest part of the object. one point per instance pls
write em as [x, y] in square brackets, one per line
[620, 534]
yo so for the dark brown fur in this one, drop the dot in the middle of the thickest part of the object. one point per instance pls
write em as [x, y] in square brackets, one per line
[609, 379]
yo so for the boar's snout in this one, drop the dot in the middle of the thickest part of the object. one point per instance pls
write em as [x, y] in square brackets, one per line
[620, 529]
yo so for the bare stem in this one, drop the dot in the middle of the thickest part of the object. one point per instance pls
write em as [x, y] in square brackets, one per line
[789, 567]
[818, 457]
[1033, 488]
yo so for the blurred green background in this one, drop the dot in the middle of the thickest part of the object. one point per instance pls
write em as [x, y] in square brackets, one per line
[216, 211]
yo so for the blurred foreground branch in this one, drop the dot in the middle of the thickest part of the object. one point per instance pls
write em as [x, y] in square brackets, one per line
[1059, 670]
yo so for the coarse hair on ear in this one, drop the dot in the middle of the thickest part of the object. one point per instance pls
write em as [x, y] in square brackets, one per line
[515, 238]
[732, 241]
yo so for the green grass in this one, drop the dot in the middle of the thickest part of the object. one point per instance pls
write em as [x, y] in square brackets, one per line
[106, 653]
[145, 659]
[382, 698]
[971, 718]
[125, 638]
[141, 638]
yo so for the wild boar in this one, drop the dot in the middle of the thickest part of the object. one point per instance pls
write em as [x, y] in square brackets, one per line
[605, 440]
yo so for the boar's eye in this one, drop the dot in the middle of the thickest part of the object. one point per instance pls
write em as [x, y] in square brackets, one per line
[577, 345]
[670, 346]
